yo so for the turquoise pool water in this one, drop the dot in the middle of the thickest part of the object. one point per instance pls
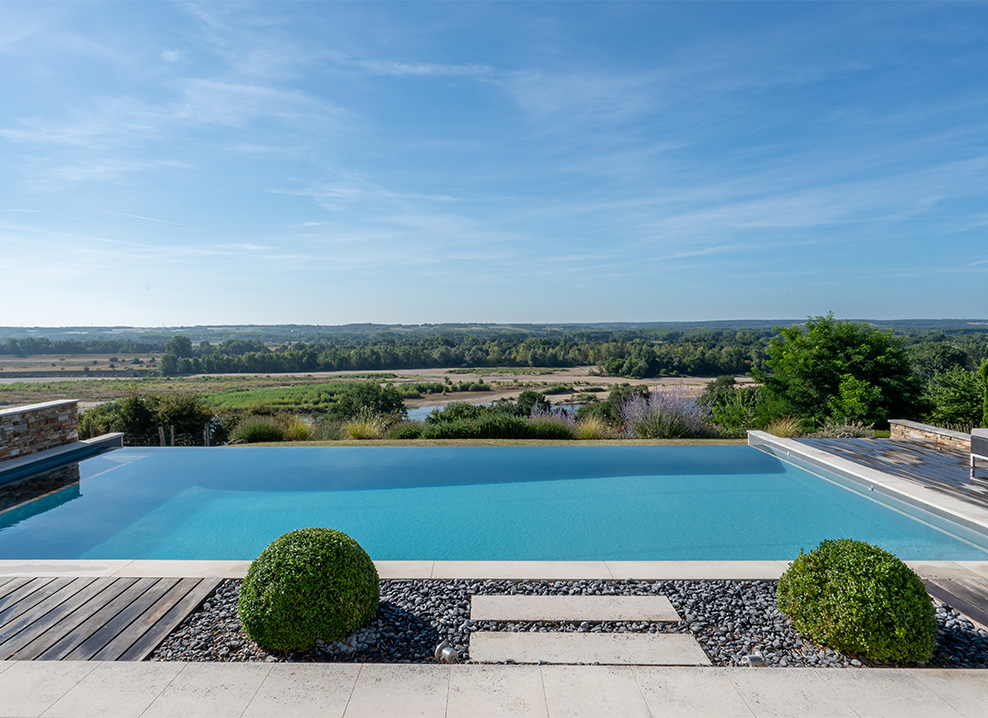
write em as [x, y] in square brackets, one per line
[472, 503]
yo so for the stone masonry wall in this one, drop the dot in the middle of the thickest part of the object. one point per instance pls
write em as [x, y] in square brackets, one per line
[902, 429]
[30, 429]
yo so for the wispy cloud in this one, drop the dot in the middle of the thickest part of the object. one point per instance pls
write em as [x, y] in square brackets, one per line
[146, 219]
[424, 69]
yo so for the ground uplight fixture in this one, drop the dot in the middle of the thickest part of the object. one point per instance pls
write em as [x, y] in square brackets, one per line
[756, 660]
[445, 653]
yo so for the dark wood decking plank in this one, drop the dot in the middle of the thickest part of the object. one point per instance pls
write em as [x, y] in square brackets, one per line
[957, 598]
[944, 470]
[121, 622]
[14, 583]
[15, 610]
[972, 592]
[70, 615]
[70, 641]
[41, 609]
[143, 647]
[51, 625]
[151, 628]
[25, 589]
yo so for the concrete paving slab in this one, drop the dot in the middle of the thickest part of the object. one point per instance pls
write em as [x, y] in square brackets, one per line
[521, 570]
[405, 690]
[404, 569]
[698, 693]
[977, 567]
[940, 569]
[592, 692]
[572, 608]
[966, 691]
[496, 692]
[697, 570]
[209, 689]
[115, 690]
[887, 694]
[53, 567]
[661, 649]
[788, 692]
[184, 569]
[309, 690]
[29, 688]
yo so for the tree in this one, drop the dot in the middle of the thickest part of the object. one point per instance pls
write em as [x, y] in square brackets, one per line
[369, 397]
[955, 398]
[179, 346]
[932, 358]
[530, 400]
[984, 382]
[837, 369]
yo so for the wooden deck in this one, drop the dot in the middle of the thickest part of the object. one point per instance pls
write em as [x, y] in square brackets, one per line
[969, 596]
[939, 468]
[93, 619]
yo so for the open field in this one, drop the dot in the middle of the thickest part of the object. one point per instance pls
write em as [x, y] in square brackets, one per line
[505, 383]
[54, 365]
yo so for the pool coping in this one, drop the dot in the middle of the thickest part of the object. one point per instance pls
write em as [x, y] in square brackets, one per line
[16, 469]
[474, 570]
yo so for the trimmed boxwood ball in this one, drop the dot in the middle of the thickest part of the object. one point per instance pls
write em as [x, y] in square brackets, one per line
[309, 584]
[855, 597]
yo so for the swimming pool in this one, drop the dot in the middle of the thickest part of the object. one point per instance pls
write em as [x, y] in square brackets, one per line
[458, 503]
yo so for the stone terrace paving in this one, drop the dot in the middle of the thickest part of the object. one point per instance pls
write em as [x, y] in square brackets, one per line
[111, 689]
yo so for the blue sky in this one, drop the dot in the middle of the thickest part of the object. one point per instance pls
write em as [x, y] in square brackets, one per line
[320, 162]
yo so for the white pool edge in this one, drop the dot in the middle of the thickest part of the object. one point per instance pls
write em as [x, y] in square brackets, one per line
[475, 570]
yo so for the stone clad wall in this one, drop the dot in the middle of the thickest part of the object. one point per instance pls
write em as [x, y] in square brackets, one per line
[29, 429]
[902, 429]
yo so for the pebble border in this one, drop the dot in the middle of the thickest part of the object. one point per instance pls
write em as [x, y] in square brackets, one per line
[729, 619]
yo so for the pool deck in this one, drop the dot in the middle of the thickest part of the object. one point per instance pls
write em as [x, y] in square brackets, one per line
[161, 690]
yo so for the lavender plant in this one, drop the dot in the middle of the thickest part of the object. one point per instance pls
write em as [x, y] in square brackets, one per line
[666, 414]
[551, 424]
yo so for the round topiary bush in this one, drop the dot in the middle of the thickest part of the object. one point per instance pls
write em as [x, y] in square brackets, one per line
[857, 598]
[308, 584]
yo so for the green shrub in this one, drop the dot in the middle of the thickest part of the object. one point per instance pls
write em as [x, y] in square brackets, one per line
[309, 584]
[364, 427]
[327, 430]
[551, 428]
[786, 427]
[405, 430]
[498, 425]
[457, 429]
[297, 429]
[854, 430]
[258, 428]
[593, 427]
[857, 598]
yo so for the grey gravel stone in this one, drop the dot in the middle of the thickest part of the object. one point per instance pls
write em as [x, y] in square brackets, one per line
[730, 619]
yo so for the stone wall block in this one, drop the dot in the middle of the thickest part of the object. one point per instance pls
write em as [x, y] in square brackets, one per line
[29, 429]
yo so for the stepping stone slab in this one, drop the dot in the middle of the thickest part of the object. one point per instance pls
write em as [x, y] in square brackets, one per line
[572, 608]
[644, 649]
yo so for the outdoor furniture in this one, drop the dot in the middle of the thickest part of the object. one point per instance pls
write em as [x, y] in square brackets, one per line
[979, 446]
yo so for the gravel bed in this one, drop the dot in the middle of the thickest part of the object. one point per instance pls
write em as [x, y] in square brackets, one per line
[730, 620]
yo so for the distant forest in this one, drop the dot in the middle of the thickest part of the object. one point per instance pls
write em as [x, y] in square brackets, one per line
[698, 349]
